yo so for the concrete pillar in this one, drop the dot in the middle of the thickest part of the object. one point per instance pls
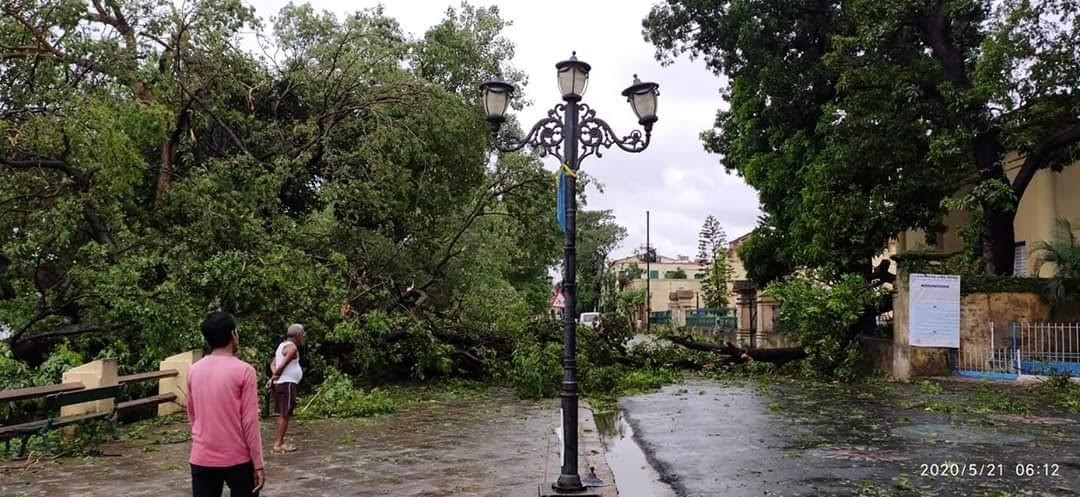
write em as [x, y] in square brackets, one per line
[766, 315]
[99, 373]
[1044, 191]
[744, 307]
[678, 317]
[901, 356]
[178, 384]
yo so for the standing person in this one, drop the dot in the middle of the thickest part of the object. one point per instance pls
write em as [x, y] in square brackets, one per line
[223, 408]
[286, 375]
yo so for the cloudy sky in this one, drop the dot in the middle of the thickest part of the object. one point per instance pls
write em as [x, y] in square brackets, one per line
[674, 178]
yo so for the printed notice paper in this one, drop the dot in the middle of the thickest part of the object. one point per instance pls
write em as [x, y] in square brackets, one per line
[934, 307]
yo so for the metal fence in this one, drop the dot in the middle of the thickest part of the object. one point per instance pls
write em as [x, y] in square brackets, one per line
[1049, 348]
[1024, 348]
[701, 318]
[990, 360]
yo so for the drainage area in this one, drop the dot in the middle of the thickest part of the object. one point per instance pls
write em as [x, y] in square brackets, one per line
[634, 476]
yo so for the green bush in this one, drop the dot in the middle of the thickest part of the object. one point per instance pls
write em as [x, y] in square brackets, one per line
[1061, 391]
[643, 380]
[537, 369]
[819, 315]
[337, 397]
[15, 374]
[602, 379]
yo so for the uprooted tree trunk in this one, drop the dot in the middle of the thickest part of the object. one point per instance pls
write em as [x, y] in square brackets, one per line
[732, 354]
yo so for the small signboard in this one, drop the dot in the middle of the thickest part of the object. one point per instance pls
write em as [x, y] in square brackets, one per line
[934, 307]
[558, 301]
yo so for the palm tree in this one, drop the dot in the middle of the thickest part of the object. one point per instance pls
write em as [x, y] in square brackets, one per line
[1064, 253]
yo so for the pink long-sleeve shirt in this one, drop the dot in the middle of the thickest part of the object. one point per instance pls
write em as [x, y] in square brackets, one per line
[223, 408]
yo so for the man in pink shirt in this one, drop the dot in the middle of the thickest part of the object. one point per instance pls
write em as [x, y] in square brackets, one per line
[223, 408]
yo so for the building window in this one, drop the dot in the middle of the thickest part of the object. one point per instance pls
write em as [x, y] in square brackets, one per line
[654, 275]
[1020, 259]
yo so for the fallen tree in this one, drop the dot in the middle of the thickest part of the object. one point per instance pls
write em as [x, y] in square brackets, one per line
[732, 354]
[829, 316]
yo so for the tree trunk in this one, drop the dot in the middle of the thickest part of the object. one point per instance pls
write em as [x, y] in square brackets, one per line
[736, 355]
[999, 241]
[998, 234]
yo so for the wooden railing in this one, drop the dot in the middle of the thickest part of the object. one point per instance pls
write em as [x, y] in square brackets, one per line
[170, 398]
[152, 400]
[37, 392]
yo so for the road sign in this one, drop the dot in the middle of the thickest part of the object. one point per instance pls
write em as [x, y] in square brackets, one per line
[557, 300]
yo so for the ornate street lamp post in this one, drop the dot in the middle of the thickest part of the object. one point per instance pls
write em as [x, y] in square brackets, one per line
[571, 132]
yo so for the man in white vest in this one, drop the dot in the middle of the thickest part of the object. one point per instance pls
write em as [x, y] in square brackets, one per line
[286, 376]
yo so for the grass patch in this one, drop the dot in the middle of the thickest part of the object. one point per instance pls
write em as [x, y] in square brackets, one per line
[930, 387]
[1059, 391]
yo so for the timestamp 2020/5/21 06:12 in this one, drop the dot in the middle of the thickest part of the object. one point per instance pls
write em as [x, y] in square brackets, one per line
[990, 470]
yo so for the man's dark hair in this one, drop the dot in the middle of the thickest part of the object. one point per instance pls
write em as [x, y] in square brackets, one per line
[217, 329]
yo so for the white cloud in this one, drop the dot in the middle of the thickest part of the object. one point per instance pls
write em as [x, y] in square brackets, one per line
[675, 178]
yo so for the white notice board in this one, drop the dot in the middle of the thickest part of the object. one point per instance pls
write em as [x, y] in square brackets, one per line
[934, 307]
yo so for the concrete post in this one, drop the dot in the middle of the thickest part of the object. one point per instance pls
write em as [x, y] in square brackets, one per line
[178, 384]
[99, 373]
[901, 356]
[746, 325]
[678, 317]
[1047, 220]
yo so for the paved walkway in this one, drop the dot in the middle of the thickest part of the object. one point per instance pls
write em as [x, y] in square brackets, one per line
[471, 448]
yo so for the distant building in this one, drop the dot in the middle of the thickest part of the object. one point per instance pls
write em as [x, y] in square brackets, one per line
[674, 282]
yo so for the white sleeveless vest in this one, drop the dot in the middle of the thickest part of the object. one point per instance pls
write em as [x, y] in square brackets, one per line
[291, 373]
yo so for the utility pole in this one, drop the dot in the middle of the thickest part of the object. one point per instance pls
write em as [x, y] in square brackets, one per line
[648, 276]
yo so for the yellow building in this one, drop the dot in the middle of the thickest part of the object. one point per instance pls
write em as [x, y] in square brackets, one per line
[735, 265]
[1050, 196]
[674, 283]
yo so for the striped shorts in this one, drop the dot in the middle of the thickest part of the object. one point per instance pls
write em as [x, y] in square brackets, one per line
[285, 398]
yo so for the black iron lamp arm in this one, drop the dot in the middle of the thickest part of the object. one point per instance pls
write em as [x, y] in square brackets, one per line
[546, 136]
[597, 133]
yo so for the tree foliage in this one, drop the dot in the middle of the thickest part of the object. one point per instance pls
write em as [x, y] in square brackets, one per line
[711, 238]
[820, 316]
[854, 118]
[713, 253]
[598, 235]
[152, 169]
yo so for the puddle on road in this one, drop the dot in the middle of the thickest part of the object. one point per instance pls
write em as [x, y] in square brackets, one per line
[960, 434]
[634, 476]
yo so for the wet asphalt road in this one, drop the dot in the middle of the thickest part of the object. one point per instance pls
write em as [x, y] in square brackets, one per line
[712, 439]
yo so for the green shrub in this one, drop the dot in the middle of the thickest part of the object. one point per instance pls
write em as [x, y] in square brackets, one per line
[643, 380]
[819, 314]
[337, 397]
[1059, 390]
[602, 380]
[537, 369]
[15, 374]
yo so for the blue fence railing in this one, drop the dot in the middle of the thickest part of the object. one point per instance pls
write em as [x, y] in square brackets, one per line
[704, 318]
[1030, 348]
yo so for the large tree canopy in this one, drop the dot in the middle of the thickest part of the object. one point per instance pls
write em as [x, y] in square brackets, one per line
[153, 168]
[854, 119]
